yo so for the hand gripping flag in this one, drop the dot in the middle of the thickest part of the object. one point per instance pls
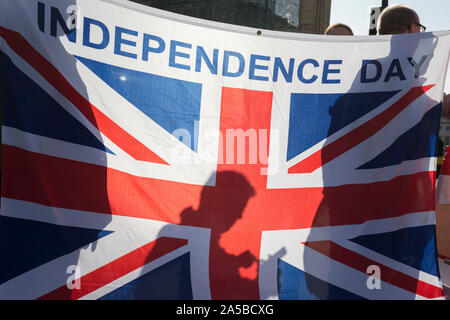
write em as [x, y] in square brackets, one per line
[148, 155]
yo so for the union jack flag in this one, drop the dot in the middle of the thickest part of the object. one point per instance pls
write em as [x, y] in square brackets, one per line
[102, 197]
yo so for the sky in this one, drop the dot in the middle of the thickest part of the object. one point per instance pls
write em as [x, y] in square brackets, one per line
[434, 14]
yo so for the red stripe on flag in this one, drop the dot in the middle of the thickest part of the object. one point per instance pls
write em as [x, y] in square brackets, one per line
[82, 186]
[118, 135]
[117, 268]
[348, 141]
[389, 275]
[70, 184]
[245, 127]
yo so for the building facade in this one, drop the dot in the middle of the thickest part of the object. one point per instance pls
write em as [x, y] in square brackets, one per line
[314, 16]
[305, 16]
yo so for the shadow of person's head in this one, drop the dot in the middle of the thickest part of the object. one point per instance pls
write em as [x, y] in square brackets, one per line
[222, 203]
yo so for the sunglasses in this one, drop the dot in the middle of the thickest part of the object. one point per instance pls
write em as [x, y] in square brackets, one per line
[422, 27]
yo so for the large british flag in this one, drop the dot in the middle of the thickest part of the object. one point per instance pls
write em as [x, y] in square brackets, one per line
[127, 177]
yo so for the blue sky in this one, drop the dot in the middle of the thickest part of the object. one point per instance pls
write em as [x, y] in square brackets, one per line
[434, 14]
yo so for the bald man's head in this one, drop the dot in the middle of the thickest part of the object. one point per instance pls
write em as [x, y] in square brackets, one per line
[398, 19]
